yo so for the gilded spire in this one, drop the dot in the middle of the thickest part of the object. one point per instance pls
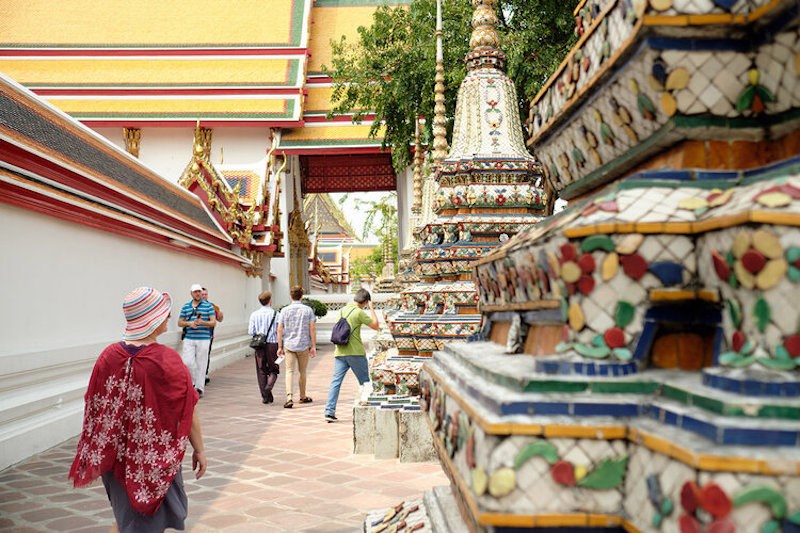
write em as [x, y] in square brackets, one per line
[439, 109]
[485, 51]
[417, 183]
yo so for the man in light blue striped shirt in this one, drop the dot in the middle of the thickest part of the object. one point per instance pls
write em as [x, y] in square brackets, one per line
[264, 322]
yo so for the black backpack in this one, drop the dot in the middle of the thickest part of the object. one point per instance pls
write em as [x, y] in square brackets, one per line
[340, 334]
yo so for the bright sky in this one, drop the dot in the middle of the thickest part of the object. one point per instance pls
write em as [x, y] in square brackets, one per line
[353, 214]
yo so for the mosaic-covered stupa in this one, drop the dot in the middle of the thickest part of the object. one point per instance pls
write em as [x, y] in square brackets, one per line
[489, 189]
[639, 370]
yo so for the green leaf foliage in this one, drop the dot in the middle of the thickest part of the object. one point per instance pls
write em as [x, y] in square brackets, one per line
[390, 69]
[609, 474]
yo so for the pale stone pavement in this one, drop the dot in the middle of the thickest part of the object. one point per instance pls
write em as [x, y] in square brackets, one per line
[270, 469]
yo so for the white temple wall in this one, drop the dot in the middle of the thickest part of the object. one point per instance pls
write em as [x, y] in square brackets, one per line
[63, 288]
[169, 150]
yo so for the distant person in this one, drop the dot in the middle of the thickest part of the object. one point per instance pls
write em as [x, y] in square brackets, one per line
[263, 322]
[139, 414]
[220, 317]
[297, 339]
[198, 319]
[352, 355]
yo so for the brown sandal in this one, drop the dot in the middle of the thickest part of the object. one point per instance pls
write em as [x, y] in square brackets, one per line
[306, 400]
[288, 404]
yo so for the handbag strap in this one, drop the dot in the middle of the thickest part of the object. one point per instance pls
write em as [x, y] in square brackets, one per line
[274, 316]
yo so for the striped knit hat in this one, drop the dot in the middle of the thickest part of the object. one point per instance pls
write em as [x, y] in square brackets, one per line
[145, 309]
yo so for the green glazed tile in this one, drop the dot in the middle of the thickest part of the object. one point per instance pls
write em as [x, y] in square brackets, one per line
[556, 386]
[676, 394]
[597, 242]
[762, 312]
[624, 313]
[630, 387]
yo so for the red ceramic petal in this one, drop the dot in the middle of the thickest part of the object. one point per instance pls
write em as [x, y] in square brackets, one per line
[791, 190]
[689, 524]
[715, 501]
[568, 252]
[753, 261]
[586, 284]
[633, 265]
[690, 497]
[721, 525]
[614, 337]
[738, 340]
[587, 263]
[792, 345]
[565, 333]
[720, 266]
[563, 473]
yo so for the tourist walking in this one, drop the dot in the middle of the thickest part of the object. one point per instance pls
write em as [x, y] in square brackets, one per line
[352, 355]
[197, 319]
[297, 340]
[219, 317]
[140, 403]
[263, 322]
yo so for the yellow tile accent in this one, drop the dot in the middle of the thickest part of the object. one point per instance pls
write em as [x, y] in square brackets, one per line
[121, 22]
[722, 464]
[562, 520]
[192, 105]
[720, 222]
[328, 132]
[708, 295]
[665, 295]
[650, 227]
[552, 431]
[626, 227]
[507, 520]
[133, 71]
[333, 23]
[665, 20]
[579, 231]
[678, 227]
[719, 18]
[775, 217]
[606, 227]
[603, 520]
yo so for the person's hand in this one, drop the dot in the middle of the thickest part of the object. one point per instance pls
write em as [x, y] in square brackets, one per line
[199, 463]
[313, 352]
[280, 351]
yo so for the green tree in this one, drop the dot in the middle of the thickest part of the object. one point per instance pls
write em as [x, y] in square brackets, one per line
[390, 70]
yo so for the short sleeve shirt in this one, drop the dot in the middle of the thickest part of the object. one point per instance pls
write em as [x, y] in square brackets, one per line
[205, 311]
[296, 319]
[356, 317]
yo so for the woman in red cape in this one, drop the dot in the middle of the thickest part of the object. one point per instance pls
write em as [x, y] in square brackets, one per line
[139, 416]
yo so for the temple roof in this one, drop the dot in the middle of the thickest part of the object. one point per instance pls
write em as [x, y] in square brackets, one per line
[55, 166]
[322, 212]
[248, 66]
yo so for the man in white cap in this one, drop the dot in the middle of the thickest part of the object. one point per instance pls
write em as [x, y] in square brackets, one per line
[198, 319]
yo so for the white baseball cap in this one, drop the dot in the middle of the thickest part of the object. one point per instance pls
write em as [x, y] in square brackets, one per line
[196, 287]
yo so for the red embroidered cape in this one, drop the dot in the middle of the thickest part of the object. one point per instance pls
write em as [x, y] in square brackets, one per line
[136, 422]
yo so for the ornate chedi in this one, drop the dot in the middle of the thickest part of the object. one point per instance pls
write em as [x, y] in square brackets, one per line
[488, 191]
[640, 366]
[251, 216]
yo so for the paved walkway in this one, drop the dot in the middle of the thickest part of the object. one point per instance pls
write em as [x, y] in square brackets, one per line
[270, 469]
